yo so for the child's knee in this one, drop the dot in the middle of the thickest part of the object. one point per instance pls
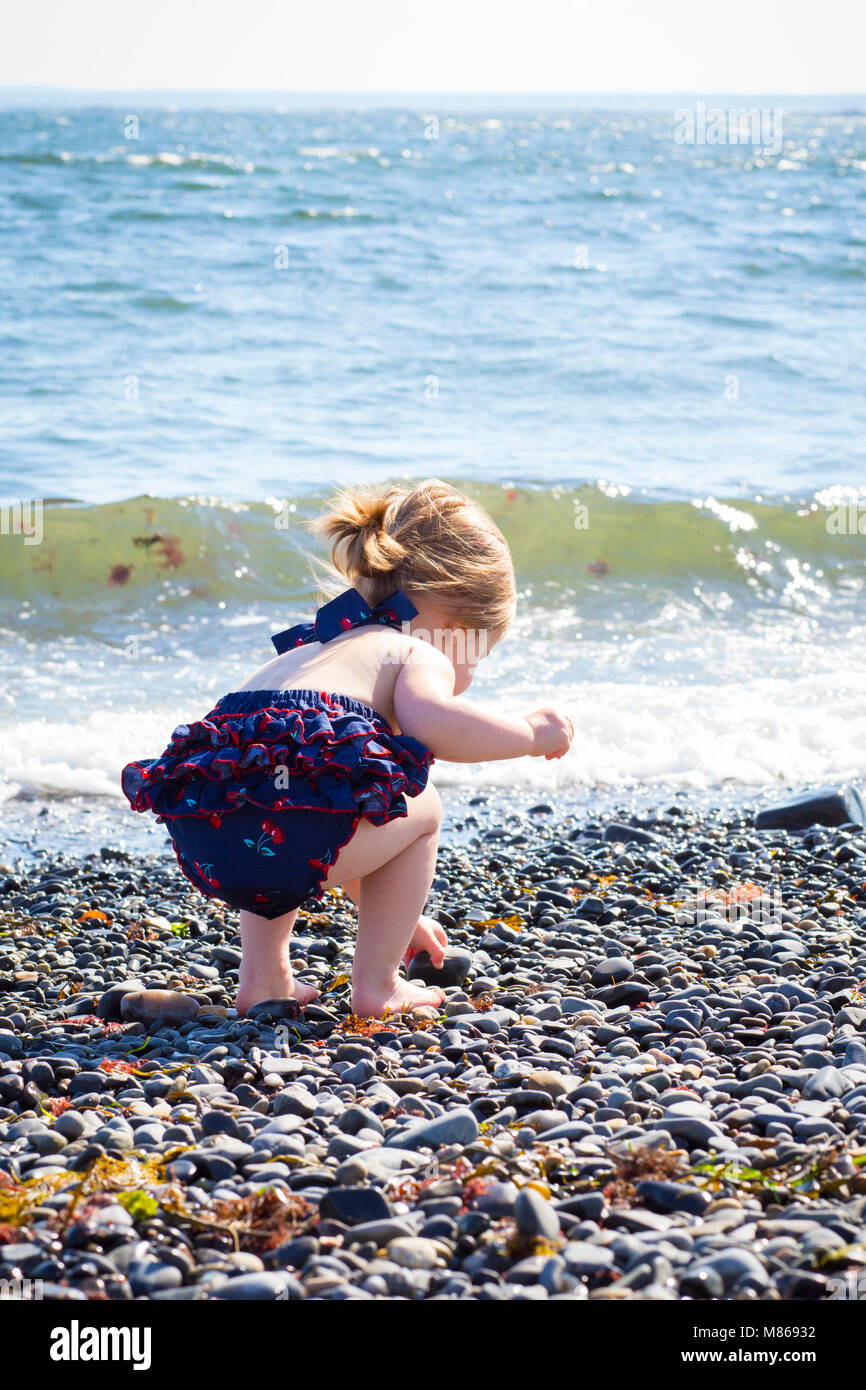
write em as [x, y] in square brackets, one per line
[430, 806]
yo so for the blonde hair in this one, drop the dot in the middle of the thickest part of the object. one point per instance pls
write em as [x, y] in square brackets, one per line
[431, 541]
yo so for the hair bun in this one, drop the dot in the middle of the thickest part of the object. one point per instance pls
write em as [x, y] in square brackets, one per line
[356, 526]
[432, 541]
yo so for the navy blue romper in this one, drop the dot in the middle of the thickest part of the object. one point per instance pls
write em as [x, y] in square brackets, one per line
[261, 794]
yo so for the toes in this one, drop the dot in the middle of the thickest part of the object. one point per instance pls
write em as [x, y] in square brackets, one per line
[428, 1003]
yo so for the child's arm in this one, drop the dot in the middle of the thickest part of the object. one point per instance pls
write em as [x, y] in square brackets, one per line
[461, 732]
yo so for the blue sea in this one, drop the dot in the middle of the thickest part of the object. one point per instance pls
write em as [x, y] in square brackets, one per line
[645, 356]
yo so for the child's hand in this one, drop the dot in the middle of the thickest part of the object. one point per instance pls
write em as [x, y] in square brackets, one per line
[428, 936]
[553, 733]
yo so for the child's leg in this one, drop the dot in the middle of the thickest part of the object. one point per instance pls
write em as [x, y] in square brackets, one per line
[266, 971]
[395, 864]
[429, 935]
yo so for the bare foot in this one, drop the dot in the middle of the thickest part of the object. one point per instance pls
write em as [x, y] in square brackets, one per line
[429, 936]
[401, 997]
[285, 986]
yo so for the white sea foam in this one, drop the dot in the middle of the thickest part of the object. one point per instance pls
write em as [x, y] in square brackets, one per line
[49, 757]
[761, 732]
[700, 736]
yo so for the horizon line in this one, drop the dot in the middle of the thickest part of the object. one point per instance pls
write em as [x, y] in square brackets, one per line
[396, 94]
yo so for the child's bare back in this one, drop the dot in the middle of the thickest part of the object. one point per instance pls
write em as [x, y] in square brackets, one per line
[363, 664]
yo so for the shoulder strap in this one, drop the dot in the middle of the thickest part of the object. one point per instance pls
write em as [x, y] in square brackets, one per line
[344, 612]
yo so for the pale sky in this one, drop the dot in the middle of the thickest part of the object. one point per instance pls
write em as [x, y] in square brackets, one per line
[417, 46]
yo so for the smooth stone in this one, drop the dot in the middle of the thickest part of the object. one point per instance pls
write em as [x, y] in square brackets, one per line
[275, 1011]
[611, 971]
[693, 1130]
[452, 972]
[583, 1258]
[553, 1082]
[147, 1276]
[181, 1169]
[736, 1267]
[354, 1206]
[413, 1252]
[108, 1007]
[575, 1129]
[458, 1126]
[638, 1221]
[528, 1270]
[812, 1129]
[828, 806]
[619, 831]
[666, 1197]
[227, 955]
[379, 1232]
[19, 1254]
[377, 1164]
[71, 1124]
[827, 1083]
[278, 1284]
[282, 1124]
[630, 992]
[158, 1006]
[347, 1145]
[498, 1199]
[295, 1100]
[494, 1020]
[688, 1109]
[359, 1074]
[202, 972]
[535, 1216]
[356, 1118]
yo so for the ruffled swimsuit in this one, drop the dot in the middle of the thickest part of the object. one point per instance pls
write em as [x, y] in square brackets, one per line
[261, 794]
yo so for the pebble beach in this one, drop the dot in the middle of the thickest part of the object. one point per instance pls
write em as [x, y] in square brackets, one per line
[648, 1081]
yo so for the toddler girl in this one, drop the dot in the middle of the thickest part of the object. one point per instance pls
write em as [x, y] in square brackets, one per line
[314, 772]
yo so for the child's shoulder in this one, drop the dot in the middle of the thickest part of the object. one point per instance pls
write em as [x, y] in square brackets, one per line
[400, 648]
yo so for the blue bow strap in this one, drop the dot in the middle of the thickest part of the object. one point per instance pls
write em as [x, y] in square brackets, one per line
[297, 636]
[348, 610]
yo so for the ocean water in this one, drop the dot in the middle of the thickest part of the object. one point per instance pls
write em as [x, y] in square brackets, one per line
[645, 357]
